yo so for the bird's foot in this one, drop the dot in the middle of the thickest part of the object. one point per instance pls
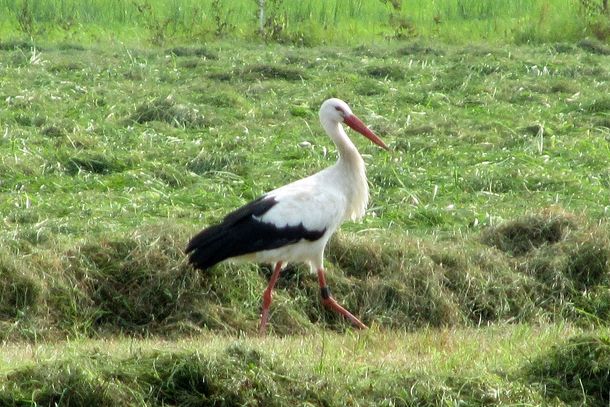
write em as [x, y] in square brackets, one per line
[331, 303]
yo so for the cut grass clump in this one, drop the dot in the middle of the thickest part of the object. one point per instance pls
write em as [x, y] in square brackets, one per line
[267, 71]
[572, 275]
[419, 49]
[170, 175]
[237, 376]
[588, 264]
[370, 87]
[576, 371]
[141, 284]
[477, 390]
[200, 52]
[593, 306]
[404, 285]
[563, 86]
[603, 122]
[392, 72]
[132, 283]
[66, 67]
[70, 46]
[413, 299]
[28, 120]
[563, 48]
[53, 131]
[485, 286]
[168, 111]
[20, 292]
[208, 161]
[522, 235]
[69, 383]
[594, 47]
[95, 162]
[393, 284]
[219, 98]
[601, 105]
[22, 45]
[359, 259]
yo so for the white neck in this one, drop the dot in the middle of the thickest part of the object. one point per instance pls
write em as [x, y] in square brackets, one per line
[348, 152]
[351, 168]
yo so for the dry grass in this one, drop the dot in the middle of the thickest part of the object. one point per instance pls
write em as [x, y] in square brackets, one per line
[168, 111]
[140, 284]
[523, 235]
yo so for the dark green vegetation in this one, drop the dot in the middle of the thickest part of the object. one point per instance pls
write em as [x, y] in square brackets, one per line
[490, 210]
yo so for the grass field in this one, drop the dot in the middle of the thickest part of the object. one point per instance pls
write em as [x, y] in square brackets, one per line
[430, 367]
[313, 22]
[482, 265]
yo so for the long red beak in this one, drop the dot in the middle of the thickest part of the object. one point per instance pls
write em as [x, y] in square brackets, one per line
[356, 124]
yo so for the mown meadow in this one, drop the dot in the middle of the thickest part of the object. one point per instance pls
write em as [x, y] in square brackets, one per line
[482, 266]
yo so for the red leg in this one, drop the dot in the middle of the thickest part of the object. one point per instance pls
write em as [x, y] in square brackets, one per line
[267, 298]
[330, 302]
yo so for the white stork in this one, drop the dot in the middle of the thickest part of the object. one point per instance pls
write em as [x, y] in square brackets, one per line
[293, 223]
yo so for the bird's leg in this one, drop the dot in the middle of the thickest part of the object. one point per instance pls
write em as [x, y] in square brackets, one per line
[267, 297]
[330, 302]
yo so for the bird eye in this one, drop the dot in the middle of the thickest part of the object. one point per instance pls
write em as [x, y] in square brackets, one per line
[340, 110]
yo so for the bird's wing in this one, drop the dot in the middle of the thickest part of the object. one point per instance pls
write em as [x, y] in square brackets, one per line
[315, 205]
[255, 227]
[303, 210]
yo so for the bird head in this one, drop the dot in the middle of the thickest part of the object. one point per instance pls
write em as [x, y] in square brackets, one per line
[336, 110]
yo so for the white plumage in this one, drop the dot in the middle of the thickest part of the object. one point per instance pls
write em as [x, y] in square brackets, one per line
[293, 223]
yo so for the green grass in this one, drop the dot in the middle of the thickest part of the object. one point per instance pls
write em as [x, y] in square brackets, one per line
[311, 22]
[97, 160]
[492, 366]
[482, 265]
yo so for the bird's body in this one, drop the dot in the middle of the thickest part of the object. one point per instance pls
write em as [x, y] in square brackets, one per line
[293, 223]
[304, 214]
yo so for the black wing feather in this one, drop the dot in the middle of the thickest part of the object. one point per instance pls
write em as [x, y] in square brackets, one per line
[240, 233]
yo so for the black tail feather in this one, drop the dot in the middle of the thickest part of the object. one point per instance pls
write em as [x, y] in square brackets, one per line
[208, 247]
[242, 233]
